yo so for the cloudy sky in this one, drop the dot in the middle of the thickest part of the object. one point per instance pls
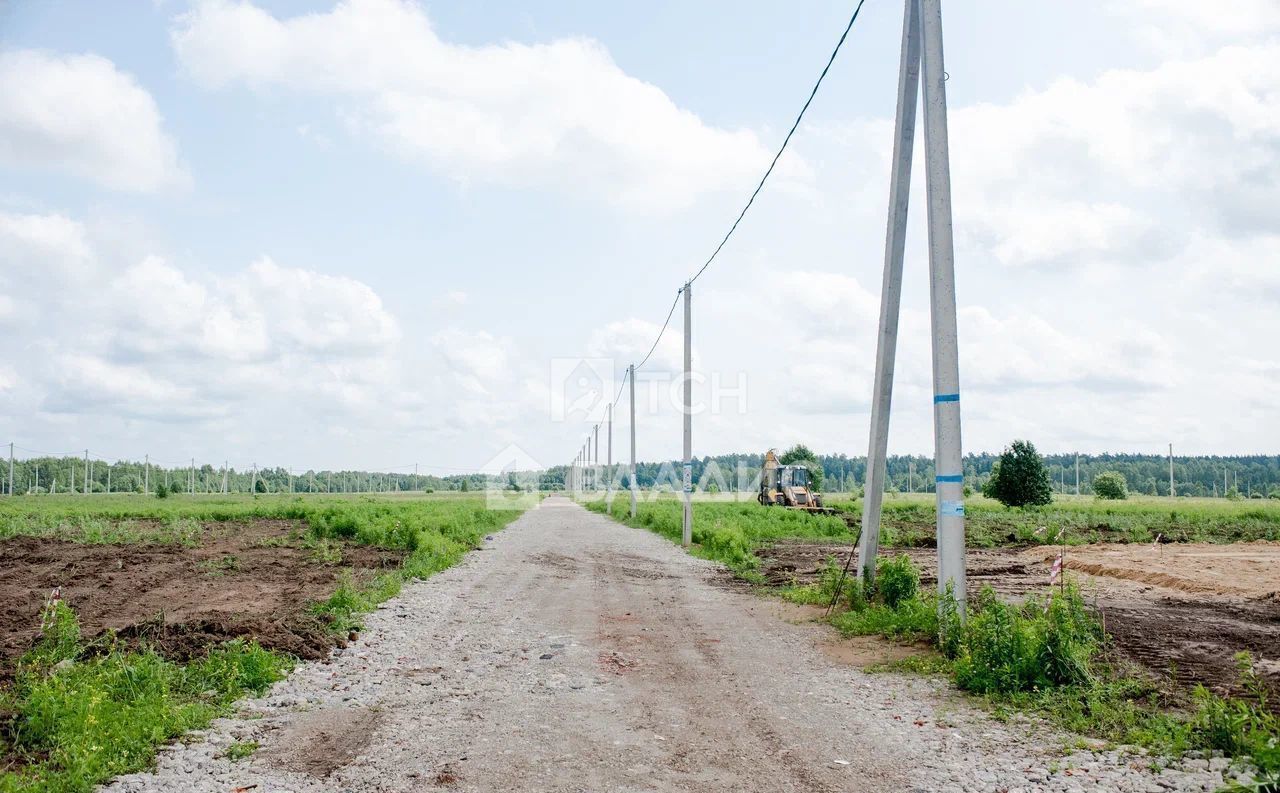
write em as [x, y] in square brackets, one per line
[384, 232]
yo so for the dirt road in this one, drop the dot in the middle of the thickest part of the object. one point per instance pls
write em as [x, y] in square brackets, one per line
[575, 654]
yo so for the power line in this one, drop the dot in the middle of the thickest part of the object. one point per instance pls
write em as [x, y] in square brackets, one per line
[785, 141]
[794, 126]
[665, 323]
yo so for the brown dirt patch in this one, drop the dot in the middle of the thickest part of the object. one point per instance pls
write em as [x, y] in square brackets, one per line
[1182, 611]
[1244, 569]
[321, 742]
[244, 580]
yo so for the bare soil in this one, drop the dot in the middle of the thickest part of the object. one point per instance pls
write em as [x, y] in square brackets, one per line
[244, 580]
[1182, 611]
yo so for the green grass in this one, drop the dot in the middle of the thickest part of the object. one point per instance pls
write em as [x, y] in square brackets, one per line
[908, 520]
[729, 532]
[84, 714]
[241, 750]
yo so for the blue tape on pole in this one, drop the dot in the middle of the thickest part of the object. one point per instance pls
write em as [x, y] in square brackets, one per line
[949, 478]
[945, 398]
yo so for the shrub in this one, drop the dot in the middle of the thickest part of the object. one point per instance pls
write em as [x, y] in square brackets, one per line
[1008, 649]
[1019, 478]
[897, 580]
[1110, 485]
[162, 490]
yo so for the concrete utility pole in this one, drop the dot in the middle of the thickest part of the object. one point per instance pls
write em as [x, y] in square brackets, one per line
[146, 476]
[922, 57]
[192, 478]
[1077, 474]
[890, 290]
[946, 360]
[10, 467]
[595, 471]
[1171, 492]
[108, 479]
[608, 459]
[85, 492]
[686, 535]
[633, 440]
[253, 480]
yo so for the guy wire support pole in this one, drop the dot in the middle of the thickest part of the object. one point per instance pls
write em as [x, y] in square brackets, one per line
[891, 290]
[595, 460]
[686, 536]
[632, 374]
[948, 463]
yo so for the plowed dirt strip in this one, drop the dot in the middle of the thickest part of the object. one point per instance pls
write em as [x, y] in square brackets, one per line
[575, 654]
[242, 580]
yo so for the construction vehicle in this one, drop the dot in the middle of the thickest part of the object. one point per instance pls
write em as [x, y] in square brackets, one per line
[788, 486]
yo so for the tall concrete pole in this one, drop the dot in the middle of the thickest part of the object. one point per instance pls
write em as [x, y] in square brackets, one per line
[686, 536]
[632, 375]
[1077, 474]
[10, 467]
[1171, 492]
[595, 457]
[891, 289]
[942, 292]
[86, 471]
[608, 458]
[192, 478]
[146, 476]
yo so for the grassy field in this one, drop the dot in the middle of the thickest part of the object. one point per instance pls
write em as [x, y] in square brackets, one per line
[81, 712]
[909, 520]
[1046, 655]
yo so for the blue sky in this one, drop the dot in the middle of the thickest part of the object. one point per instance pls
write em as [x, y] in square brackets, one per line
[363, 234]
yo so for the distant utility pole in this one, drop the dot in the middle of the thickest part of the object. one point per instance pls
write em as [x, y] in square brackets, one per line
[10, 467]
[1077, 474]
[108, 479]
[86, 472]
[633, 440]
[253, 479]
[146, 476]
[686, 534]
[595, 478]
[192, 478]
[224, 476]
[608, 465]
[1171, 491]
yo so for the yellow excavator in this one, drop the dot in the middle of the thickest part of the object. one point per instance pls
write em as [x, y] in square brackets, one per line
[788, 486]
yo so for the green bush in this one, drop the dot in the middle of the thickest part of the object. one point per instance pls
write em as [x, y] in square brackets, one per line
[1007, 649]
[1110, 485]
[1019, 478]
[162, 490]
[897, 580]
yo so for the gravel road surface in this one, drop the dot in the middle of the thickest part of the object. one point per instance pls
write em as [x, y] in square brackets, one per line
[575, 654]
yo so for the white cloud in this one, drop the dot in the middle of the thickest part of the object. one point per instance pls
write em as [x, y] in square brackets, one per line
[560, 113]
[81, 115]
[1079, 173]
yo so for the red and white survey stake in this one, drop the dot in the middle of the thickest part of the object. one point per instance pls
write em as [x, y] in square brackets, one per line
[1056, 570]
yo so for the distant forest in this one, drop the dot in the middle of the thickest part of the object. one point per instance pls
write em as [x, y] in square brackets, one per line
[60, 474]
[1252, 476]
